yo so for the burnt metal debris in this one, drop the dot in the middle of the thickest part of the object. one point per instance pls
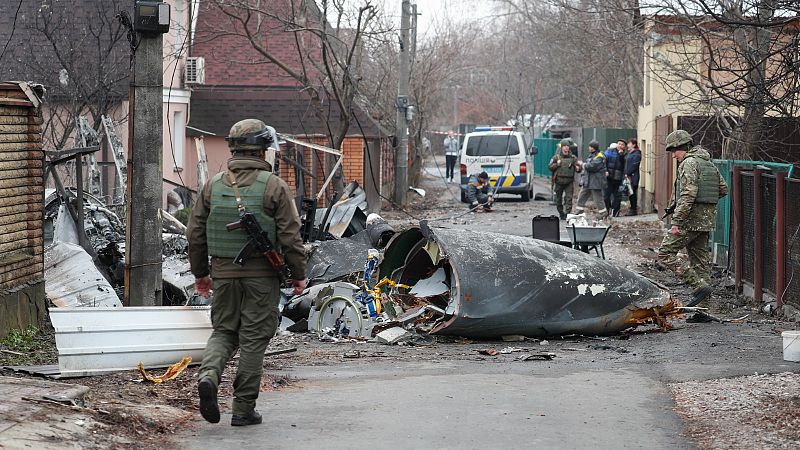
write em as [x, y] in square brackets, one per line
[480, 285]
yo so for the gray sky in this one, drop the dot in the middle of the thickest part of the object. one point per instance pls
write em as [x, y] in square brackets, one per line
[434, 12]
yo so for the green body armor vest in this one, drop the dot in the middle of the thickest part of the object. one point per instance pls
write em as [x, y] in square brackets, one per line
[708, 184]
[224, 210]
[567, 167]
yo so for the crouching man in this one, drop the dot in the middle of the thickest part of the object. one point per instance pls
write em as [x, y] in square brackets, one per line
[478, 192]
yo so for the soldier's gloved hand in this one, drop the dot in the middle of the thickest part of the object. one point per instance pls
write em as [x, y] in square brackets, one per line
[299, 286]
[203, 285]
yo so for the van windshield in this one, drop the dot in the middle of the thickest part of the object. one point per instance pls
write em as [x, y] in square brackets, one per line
[492, 145]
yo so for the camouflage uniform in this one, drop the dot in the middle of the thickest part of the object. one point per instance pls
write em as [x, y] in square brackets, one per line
[244, 312]
[563, 179]
[694, 219]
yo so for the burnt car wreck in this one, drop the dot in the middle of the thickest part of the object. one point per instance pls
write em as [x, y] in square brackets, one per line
[477, 285]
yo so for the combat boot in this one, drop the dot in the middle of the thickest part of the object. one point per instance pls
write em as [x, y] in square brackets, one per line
[251, 418]
[699, 295]
[209, 408]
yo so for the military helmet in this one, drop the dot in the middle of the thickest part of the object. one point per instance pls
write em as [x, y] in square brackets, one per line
[565, 141]
[676, 139]
[249, 134]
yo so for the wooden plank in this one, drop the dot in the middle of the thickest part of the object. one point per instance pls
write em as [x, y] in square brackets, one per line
[15, 102]
[21, 156]
[29, 197]
[13, 93]
[21, 186]
[25, 242]
[8, 174]
[20, 129]
[21, 146]
[21, 137]
[21, 208]
[12, 110]
[22, 216]
[10, 280]
[18, 225]
[20, 164]
[14, 120]
[21, 264]
[19, 258]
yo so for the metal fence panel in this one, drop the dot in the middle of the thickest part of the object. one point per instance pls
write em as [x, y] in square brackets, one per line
[768, 238]
[748, 227]
[792, 229]
[720, 237]
[547, 148]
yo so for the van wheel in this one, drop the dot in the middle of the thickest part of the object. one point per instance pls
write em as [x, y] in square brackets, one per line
[526, 196]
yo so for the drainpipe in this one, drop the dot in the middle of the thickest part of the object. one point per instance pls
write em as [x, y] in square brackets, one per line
[758, 279]
[780, 237]
[738, 232]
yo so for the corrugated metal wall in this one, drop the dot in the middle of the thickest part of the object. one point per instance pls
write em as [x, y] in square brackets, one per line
[21, 189]
[546, 149]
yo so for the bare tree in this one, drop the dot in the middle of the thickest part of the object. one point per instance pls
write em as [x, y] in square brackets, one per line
[325, 55]
[78, 53]
[741, 59]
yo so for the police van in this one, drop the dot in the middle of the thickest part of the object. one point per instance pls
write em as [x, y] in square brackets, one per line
[504, 154]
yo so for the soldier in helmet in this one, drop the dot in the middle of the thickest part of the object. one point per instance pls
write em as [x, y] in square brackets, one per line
[563, 165]
[698, 188]
[244, 310]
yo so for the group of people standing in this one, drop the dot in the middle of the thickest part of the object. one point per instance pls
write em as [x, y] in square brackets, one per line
[603, 176]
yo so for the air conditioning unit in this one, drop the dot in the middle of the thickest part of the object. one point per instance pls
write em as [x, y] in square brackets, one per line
[195, 70]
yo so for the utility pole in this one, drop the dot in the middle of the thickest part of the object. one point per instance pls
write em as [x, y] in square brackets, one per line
[143, 282]
[401, 166]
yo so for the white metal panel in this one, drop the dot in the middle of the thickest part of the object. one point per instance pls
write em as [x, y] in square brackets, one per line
[92, 341]
[71, 278]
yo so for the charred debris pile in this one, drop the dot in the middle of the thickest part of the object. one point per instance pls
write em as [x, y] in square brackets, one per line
[365, 278]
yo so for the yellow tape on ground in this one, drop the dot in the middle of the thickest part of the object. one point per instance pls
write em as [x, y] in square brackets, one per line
[172, 372]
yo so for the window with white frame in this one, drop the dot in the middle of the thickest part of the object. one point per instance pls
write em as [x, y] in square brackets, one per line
[178, 139]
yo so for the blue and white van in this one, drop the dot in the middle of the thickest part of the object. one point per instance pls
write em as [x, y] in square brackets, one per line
[504, 154]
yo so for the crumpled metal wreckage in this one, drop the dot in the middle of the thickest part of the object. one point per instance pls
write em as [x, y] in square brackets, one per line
[479, 285]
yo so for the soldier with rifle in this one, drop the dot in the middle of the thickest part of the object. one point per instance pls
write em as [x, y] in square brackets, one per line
[244, 219]
[698, 188]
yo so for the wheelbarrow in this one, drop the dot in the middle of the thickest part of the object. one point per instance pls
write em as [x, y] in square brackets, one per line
[588, 238]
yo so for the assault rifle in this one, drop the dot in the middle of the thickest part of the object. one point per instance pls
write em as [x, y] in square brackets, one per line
[258, 240]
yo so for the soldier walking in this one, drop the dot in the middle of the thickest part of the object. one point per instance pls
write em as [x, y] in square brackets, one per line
[563, 165]
[244, 311]
[698, 188]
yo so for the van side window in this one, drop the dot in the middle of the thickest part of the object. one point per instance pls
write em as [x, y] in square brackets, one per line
[492, 145]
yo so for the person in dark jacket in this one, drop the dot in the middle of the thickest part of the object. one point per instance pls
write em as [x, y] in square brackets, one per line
[593, 180]
[478, 193]
[615, 173]
[633, 159]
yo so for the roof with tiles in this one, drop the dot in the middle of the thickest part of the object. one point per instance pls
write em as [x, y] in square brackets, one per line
[288, 110]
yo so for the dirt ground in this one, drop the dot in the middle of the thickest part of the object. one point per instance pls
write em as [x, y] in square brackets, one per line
[720, 409]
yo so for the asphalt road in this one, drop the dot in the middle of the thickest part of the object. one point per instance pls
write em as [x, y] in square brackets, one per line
[610, 393]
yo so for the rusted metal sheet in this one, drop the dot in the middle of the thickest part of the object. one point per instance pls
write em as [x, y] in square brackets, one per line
[511, 285]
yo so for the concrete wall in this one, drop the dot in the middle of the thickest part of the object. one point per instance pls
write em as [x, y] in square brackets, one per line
[23, 307]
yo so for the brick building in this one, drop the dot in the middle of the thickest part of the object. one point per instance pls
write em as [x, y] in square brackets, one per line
[22, 297]
[239, 85]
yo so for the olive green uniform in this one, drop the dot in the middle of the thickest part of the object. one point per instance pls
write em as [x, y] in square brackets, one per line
[244, 312]
[699, 187]
[563, 181]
